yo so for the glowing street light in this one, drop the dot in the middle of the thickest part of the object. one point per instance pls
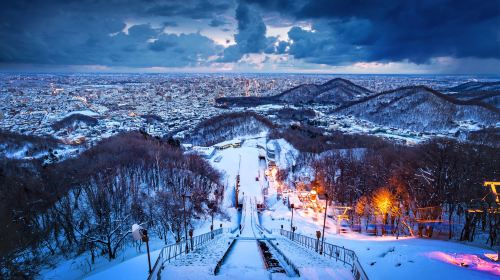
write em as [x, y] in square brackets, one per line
[313, 195]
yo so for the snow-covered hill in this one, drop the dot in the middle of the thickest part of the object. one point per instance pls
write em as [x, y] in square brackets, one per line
[228, 126]
[336, 91]
[420, 108]
[476, 86]
[488, 97]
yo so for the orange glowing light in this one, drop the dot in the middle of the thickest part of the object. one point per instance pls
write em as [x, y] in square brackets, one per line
[382, 200]
[313, 195]
[493, 257]
[493, 186]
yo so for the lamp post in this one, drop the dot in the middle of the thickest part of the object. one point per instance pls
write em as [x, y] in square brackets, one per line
[211, 206]
[318, 236]
[191, 237]
[291, 221]
[184, 195]
[145, 238]
[139, 233]
[324, 223]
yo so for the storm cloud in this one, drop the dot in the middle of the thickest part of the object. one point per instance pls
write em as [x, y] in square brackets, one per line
[251, 36]
[71, 33]
[393, 30]
[190, 33]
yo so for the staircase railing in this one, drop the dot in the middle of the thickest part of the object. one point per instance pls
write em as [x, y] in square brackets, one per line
[224, 257]
[239, 227]
[342, 254]
[257, 223]
[172, 251]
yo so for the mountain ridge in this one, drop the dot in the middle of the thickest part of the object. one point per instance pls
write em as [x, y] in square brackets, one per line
[476, 86]
[420, 108]
[334, 91]
[447, 97]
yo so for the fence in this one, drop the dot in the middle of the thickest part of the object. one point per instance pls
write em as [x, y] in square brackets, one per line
[333, 251]
[238, 226]
[172, 251]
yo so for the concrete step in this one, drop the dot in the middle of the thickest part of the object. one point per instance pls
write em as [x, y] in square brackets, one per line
[310, 264]
[205, 257]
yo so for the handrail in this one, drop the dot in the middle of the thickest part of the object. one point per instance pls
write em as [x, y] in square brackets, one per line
[244, 215]
[241, 225]
[286, 259]
[221, 261]
[342, 254]
[173, 250]
[257, 223]
[263, 229]
[237, 227]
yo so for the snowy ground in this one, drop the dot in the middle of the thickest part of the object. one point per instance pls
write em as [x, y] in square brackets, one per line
[388, 258]
[249, 167]
[137, 268]
[80, 267]
[381, 257]
[385, 257]
[199, 264]
[310, 264]
[244, 261]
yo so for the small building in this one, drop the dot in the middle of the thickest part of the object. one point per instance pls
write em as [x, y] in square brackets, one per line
[206, 152]
[262, 154]
[235, 143]
[270, 154]
[187, 147]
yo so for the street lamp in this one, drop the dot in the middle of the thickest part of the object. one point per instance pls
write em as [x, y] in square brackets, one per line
[139, 233]
[212, 205]
[291, 221]
[184, 195]
[318, 236]
[324, 223]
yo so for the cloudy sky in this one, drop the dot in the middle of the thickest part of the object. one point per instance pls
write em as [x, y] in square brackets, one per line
[323, 36]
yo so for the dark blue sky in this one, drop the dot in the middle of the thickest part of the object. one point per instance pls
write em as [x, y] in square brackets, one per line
[386, 36]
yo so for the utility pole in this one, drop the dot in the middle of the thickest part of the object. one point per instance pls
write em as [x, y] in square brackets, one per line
[237, 184]
[184, 195]
[291, 221]
[237, 190]
[324, 224]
